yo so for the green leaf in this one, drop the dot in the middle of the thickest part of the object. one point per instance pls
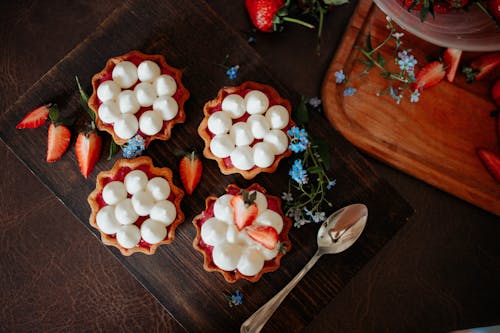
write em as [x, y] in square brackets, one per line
[54, 113]
[335, 2]
[324, 153]
[113, 149]
[315, 170]
[300, 113]
[385, 74]
[380, 59]
[84, 99]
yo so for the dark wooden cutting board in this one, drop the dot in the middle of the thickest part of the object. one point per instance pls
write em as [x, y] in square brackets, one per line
[192, 37]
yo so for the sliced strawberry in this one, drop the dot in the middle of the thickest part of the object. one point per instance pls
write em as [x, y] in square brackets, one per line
[265, 235]
[190, 169]
[35, 118]
[494, 8]
[430, 75]
[88, 149]
[412, 4]
[441, 7]
[57, 141]
[451, 58]
[245, 209]
[491, 161]
[482, 66]
[495, 92]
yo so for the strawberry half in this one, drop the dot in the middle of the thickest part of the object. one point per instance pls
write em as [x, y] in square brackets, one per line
[88, 149]
[429, 76]
[412, 4]
[35, 118]
[451, 59]
[245, 209]
[495, 92]
[190, 169]
[491, 161]
[268, 15]
[483, 65]
[265, 235]
[57, 141]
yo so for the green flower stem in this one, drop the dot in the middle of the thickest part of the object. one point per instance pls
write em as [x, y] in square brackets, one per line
[388, 38]
[302, 23]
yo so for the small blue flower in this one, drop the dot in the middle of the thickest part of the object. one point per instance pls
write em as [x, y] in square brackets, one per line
[331, 184]
[300, 222]
[319, 217]
[394, 94]
[299, 140]
[349, 91]
[406, 61]
[398, 35]
[315, 102]
[287, 196]
[235, 299]
[339, 76]
[134, 147]
[415, 96]
[232, 72]
[308, 212]
[298, 173]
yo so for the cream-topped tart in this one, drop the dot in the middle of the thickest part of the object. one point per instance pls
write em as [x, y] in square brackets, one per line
[244, 129]
[138, 93]
[136, 206]
[243, 233]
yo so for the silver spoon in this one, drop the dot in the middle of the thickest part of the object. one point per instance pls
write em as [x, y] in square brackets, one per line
[338, 233]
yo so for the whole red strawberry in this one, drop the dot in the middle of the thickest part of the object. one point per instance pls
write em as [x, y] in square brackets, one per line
[458, 3]
[262, 13]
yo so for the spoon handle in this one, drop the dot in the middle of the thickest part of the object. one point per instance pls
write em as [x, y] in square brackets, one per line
[255, 322]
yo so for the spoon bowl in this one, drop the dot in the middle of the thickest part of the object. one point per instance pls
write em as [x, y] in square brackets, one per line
[339, 231]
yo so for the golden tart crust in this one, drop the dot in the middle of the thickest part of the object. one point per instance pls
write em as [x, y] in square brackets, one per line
[145, 164]
[181, 95]
[215, 105]
[269, 265]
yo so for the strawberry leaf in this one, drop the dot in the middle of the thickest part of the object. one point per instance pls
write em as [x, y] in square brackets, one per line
[54, 113]
[300, 113]
[113, 149]
[84, 99]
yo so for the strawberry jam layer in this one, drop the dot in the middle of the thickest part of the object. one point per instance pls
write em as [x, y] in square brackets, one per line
[120, 176]
[227, 160]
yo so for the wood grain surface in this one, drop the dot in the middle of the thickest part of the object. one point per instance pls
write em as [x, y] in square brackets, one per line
[435, 139]
[174, 275]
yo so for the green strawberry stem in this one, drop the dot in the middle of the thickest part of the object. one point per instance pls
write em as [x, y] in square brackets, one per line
[297, 21]
[486, 11]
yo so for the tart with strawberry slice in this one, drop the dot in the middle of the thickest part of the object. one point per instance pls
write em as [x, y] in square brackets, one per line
[140, 94]
[243, 233]
[244, 129]
[136, 206]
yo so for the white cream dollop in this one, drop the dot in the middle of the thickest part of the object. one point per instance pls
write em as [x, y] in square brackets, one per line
[277, 116]
[242, 157]
[241, 134]
[223, 210]
[125, 74]
[263, 154]
[270, 218]
[165, 85]
[150, 122]
[108, 90]
[135, 181]
[251, 262]
[164, 211]
[127, 102]
[125, 212]
[128, 236]
[109, 112]
[145, 94]
[222, 145]
[259, 126]
[148, 71]
[226, 256]
[213, 231]
[219, 122]
[167, 106]
[159, 188]
[143, 202]
[153, 231]
[278, 140]
[234, 105]
[126, 126]
[106, 221]
[256, 102]
[114, 192]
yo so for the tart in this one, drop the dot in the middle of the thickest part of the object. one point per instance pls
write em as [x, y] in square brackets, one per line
[135, 206]
[140, 94]
[244, 129]
[242, 234]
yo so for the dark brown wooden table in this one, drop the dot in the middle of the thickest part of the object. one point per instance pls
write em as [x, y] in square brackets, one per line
[440, 272]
